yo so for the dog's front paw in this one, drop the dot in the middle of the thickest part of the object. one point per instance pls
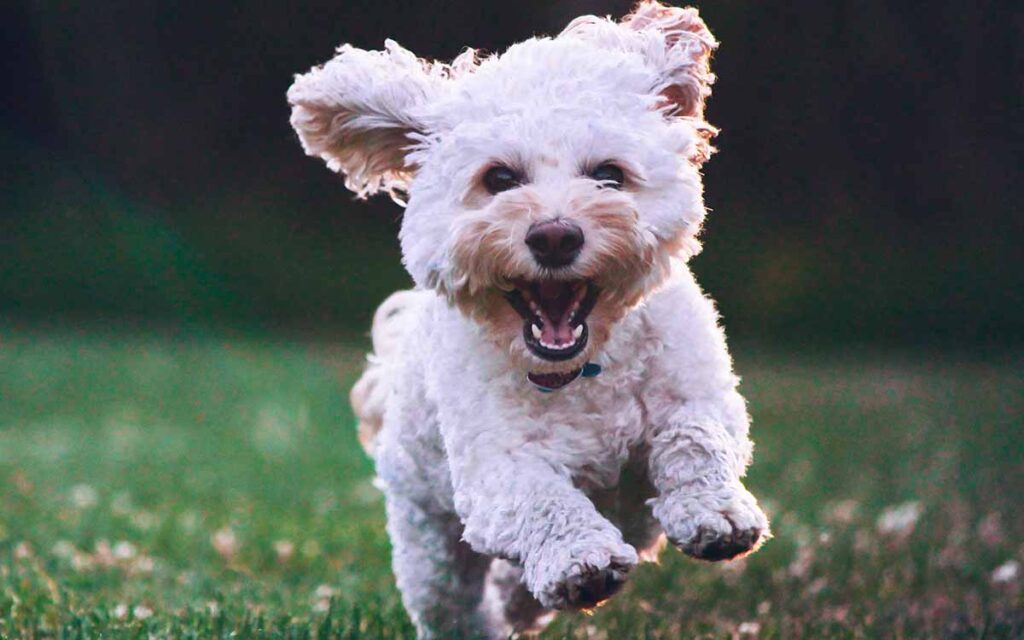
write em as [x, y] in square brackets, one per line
[721, 543]
[716, 525]
[583, 580]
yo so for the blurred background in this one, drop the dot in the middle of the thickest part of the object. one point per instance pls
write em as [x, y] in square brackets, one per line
[868, 187]
[185, 297]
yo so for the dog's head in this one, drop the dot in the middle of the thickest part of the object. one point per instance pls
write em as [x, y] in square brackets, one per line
[548, 188]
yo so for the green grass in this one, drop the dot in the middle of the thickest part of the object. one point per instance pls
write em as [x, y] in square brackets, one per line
[196, 488]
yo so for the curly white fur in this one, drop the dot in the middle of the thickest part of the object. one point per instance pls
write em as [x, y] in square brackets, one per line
[503, 502]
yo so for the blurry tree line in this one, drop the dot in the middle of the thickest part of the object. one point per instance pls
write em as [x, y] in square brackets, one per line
[868, 185]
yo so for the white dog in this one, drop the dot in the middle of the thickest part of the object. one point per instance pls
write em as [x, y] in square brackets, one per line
[553, 197]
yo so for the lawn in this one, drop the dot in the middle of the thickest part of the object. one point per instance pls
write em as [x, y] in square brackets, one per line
[158, 486]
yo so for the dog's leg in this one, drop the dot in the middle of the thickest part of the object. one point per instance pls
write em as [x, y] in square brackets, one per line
[518, 506]
[509, 605]
[439, 576]
[696, 464]
[698, 431]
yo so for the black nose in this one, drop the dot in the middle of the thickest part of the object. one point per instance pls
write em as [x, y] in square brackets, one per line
[555, 243]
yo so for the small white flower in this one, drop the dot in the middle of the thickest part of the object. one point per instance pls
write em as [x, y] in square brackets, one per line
[749, 629]
[121, 611]
[900, 519]
[125, 551]
[144, 564]
[141, 612]
[801, 565]
[103, 554]
[63, 549]
[284, 549]
[225, 542]
[82, 562]
[322, 606]
[144, 520]
[1007, 572]
[83, 496]
[843, 511]
[323, 595]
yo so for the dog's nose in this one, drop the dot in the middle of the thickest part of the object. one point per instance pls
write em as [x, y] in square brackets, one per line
[555, 243]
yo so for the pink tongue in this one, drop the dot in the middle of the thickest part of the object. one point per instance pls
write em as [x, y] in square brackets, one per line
[554, 299]
[556, 332]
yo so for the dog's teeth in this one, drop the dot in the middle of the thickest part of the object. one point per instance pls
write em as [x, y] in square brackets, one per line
[536, 331]
[577, 332]
[572, 311]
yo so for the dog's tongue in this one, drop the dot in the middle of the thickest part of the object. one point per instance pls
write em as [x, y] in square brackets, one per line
[554, 300]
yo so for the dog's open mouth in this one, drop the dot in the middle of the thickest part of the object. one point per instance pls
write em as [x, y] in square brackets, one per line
[555, 315]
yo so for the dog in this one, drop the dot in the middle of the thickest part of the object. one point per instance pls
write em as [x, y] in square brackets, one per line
[555, 398]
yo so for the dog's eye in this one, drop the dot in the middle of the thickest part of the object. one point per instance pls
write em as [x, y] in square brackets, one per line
[501, 178]
[609, 174]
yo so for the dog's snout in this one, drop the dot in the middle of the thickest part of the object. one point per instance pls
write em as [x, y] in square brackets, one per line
[555, 243]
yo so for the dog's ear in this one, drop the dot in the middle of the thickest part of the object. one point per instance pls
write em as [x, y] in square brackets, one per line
[684, 58]
[359, 110]
[675, 44]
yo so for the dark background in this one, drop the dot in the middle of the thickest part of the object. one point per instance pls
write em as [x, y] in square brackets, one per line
[868, 188]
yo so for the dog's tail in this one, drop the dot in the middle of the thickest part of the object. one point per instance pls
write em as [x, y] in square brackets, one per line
[370, 393]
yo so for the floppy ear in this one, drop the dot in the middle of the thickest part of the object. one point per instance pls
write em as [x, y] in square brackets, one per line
[676, 45]
[684, 58]
[358, 111]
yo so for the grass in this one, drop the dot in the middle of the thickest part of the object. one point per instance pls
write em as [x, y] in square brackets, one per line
[198, 488]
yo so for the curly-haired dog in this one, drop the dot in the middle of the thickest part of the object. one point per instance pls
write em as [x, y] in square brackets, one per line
[553, 196]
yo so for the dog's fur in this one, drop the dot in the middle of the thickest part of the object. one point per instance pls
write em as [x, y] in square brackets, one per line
[505, 503]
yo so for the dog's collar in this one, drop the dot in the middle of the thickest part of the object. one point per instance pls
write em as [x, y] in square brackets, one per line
[549, 382]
